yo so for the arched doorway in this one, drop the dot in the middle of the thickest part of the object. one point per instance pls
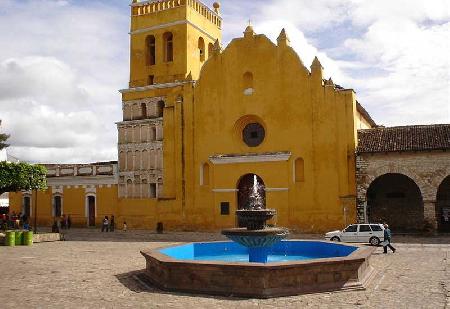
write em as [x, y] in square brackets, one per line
[91, 210]
[248, 185]
[395, 199]
[443, 206]
[57, 206]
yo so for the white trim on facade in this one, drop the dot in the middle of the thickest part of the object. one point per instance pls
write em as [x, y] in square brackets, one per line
[250, 158]
[156, 86]
[57, 189]
[224, 190]
[90, 189]
[81, 181]
[276, 189]
[156, 145]
[150, 121]
[144, 3]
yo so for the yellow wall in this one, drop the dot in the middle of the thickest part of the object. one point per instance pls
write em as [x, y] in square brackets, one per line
[300, 115]
[362, 123]
[73, 204]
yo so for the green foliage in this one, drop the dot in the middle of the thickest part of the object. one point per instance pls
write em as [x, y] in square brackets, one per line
[22, 176]
[3, 138]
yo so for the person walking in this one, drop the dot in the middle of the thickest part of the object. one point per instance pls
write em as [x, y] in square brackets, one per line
[387, 239]
[111, 224]
[105, 224]
[69, 222]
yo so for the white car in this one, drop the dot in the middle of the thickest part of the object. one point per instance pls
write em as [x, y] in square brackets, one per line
[373, 233]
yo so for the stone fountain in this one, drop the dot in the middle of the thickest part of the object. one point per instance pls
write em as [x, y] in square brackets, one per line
[256, 235]
[285, 268]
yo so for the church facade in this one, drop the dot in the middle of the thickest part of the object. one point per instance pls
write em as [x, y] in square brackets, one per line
[203, 126]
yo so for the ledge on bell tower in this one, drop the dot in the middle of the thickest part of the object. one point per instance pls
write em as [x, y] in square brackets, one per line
[139, 8]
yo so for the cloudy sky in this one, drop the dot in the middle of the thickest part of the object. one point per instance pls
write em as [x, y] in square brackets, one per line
[62, 62]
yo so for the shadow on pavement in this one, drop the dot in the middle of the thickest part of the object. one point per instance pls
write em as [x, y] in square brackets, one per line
[138, 282]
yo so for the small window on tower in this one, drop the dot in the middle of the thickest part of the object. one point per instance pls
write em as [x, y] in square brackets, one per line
[248, 83]
[201, 49]
[168, 46]
[144, 110]
[151, 79]
[151, 50]
[152, 193]
[160, 108]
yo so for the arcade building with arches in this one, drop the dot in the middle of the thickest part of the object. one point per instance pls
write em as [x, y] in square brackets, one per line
[201, 123]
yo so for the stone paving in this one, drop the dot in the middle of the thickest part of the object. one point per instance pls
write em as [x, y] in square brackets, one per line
[101, 270]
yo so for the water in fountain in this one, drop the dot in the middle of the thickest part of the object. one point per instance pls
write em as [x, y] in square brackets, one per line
[256, 201]
[256, 235]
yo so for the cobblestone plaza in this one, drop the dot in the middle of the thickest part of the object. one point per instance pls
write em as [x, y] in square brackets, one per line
[104, 270]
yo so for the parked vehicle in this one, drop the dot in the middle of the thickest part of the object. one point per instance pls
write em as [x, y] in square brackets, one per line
[373, 233]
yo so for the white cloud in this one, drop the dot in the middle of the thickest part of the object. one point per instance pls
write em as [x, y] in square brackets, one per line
[41, 78]
[368, 12]
[415, 88]
[394, 53]
[305, 14]
[61, 64]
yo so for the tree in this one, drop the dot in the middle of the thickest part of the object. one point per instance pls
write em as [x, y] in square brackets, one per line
[3, 138]
[22, 176]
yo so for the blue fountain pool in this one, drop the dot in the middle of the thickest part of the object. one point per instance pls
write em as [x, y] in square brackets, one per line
[282, 251]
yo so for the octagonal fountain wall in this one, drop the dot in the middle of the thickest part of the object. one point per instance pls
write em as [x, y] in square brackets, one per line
[293, 267]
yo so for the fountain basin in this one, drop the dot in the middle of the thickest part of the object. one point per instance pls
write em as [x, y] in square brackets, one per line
[294, 267]
[255, 219]
[258, 242]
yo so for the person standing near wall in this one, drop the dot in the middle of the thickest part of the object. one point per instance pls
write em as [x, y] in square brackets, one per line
[69, 222]
[387, 239]
[105, 224]
[111, 224]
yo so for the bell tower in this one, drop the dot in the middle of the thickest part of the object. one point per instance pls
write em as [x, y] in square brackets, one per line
[170, 40]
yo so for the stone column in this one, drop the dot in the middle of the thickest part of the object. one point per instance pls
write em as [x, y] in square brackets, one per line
[429, 213]
[362, 183]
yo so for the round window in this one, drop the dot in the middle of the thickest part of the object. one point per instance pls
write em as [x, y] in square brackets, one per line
[253, 134]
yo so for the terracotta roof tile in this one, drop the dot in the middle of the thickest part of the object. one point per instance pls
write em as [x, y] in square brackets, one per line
[405, 138]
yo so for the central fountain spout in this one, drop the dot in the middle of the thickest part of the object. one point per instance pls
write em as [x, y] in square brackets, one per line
[256, 236]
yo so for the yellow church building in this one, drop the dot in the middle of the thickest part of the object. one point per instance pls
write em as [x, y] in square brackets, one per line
[201, 124]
